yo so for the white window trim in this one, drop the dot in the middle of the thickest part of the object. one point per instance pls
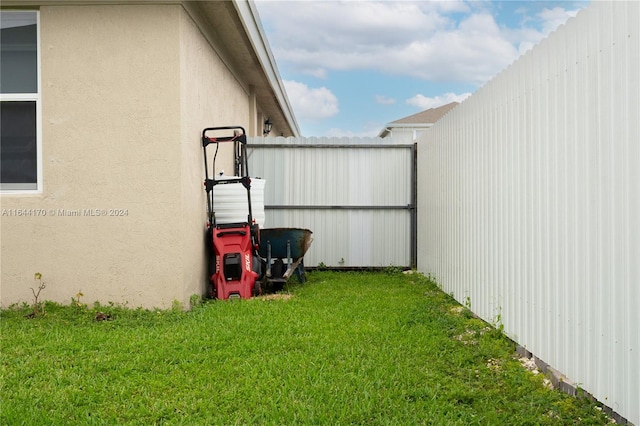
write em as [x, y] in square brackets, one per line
[37, 97]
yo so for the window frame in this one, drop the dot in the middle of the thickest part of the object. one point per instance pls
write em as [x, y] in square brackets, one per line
[22, 188]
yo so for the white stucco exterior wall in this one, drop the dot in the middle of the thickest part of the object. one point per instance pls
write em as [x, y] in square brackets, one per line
[209, 96]
[126, 91]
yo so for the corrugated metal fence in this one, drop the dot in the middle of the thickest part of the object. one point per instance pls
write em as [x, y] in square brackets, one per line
[529, 202]
[356, 195]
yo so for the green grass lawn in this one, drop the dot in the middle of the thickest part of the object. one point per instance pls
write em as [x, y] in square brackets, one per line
[343, 348]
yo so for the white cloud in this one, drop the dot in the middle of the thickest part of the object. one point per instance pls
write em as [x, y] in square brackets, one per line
[311, 103]
[399, 38]
[425, 102]
[535, 27]
[432, 40]
[475, 51]
[455, 6]
[553, 18]
[317, 72]
[383, 100]
[346, 35]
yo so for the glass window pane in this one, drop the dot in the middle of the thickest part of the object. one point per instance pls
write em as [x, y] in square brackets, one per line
[19, 52]
[18, 146]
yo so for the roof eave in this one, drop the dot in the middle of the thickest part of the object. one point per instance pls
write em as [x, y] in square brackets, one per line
[253, 27]
[390, 126]
[248, 17]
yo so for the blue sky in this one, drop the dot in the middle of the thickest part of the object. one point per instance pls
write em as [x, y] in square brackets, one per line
[350, 67]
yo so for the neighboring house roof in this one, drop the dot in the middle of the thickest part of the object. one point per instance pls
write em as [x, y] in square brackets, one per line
[422, 119]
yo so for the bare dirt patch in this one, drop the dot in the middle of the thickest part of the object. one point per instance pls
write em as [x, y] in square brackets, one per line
[276, 296]
[530, 364]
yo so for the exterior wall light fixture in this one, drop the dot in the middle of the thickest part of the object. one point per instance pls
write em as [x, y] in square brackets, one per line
[268, 124]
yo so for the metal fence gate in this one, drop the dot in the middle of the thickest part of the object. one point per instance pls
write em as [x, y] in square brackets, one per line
[357, 196]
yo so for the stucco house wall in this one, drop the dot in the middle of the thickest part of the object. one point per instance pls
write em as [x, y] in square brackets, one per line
[126, 90]
[209, 96]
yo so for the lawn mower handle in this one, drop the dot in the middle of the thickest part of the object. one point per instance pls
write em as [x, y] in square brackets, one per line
[240, 165]
[242, 138]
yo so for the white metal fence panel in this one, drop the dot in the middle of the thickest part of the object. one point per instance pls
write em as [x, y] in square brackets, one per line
[529, 202]
[355, 195]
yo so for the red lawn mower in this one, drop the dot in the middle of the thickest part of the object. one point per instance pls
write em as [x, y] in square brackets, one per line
[232, 244]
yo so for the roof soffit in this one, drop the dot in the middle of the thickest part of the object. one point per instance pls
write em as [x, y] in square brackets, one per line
[239, 41]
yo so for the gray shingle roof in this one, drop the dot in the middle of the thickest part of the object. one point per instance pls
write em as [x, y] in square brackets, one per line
[429, 116]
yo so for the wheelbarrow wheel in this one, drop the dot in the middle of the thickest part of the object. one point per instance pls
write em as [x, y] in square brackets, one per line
[277, 269]
[257, 288]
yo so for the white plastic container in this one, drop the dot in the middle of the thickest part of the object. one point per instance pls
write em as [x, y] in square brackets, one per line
[230, 201]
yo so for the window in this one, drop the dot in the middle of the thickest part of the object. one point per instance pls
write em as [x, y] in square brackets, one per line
[20, 153]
